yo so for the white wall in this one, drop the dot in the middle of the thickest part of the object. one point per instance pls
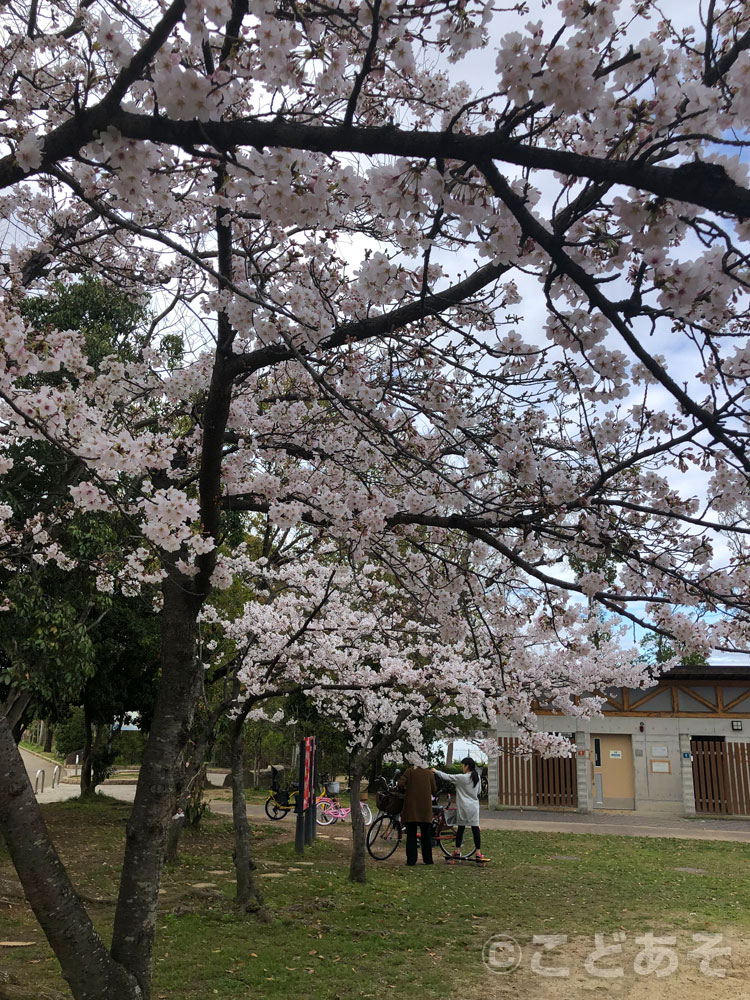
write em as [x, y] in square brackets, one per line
[655, 793]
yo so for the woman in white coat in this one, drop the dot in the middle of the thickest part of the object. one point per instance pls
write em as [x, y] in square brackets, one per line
[467, 803]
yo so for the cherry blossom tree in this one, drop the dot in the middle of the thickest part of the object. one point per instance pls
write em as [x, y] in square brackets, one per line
[378, 663]
[496, 324]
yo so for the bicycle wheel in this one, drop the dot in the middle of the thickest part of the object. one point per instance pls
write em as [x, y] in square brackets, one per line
[383, 837]
[446, 838]
[273, 809]
[366, 813]
[324, 817]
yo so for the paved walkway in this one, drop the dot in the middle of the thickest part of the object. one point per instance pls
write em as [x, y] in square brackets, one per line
[618, 824]
[611, 824]
[36, 763]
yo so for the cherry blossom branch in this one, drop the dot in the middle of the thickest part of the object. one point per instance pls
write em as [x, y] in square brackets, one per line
[704, 184]
[554, 248]
[66, 140]
[366, 65]
[715, 72]
[373, 327]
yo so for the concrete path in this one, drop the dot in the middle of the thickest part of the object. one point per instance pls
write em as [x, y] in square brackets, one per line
[618, 824]
[33, 763]
[610, 824]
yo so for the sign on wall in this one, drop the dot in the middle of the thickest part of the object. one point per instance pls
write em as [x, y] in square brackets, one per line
[660, 767]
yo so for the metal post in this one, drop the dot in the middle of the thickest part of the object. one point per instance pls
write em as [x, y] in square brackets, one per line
[312, 811]
[299, 835]
[314, 822]
[56, 775]
[36, 781]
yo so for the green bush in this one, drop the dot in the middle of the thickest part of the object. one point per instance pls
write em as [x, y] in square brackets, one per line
[70, 733]
[128, 746]
[455, 768]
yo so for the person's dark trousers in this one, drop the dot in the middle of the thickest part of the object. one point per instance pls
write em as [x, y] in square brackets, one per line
[425, 830]
[475, 832]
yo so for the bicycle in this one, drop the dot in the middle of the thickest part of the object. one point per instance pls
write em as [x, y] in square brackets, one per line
[386, 832]
[328, 807]
[280, 800]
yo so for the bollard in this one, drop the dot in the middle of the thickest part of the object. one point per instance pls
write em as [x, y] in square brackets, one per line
[56, 775]
[36, 781]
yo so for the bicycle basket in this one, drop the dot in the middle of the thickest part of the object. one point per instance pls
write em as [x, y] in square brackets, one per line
[390, 802]
[282, 797]
[333, 787]
[449, 816]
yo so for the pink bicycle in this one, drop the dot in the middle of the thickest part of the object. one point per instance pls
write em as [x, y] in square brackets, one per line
[328, 807]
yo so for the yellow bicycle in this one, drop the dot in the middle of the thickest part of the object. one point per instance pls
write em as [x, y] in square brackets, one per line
[280, 800]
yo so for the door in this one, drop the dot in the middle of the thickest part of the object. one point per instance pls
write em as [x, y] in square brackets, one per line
[613, 778]
[710, 774]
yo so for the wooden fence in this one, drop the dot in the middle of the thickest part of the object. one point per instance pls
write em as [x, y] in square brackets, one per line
[532, 780]
[721, 777]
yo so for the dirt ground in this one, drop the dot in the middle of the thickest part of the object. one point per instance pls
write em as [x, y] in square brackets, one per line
[686, 982]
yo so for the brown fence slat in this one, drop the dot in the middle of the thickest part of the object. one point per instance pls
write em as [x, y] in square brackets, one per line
[744, 766]
[699, 775]
[734, 769]
[720, 768]
[533, 780]
[739, 799]
[513, 774]
[508, 771]
[713, 779]
[733, 797]
[738, 763]
[697, 789]
[721, 774]
[538, 781]
[721, 777]
[714, 804]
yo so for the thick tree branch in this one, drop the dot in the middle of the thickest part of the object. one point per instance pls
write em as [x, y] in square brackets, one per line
[704, 184]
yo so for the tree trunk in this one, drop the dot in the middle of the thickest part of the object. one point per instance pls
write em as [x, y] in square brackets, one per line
[357, 871]
[89, 970]
[375, 769]
[248, 893]
[192, 772]
[182, 671]
[174, 832]
[48, 739]
[100, 756]
[16, 709]
[358, 766]
[87, 785]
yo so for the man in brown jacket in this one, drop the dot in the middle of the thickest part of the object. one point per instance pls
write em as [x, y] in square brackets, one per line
[418, 784]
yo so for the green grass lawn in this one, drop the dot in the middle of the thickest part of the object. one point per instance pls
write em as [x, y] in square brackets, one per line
[38, 749]
[408, 933]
